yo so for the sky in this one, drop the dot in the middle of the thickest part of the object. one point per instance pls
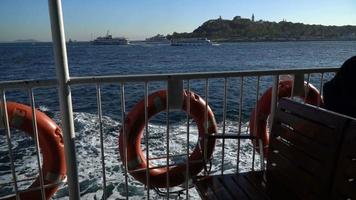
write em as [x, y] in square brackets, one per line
[139, 19]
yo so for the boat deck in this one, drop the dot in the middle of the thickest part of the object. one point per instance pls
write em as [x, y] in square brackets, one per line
[232, 186]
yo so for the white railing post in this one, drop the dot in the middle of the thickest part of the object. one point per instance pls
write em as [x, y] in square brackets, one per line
[64, 92]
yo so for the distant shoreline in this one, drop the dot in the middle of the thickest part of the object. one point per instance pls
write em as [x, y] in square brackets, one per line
[213, 40]
[276, 40]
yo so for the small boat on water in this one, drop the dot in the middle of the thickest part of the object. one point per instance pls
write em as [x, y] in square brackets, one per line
[191, 42]
[109, 40]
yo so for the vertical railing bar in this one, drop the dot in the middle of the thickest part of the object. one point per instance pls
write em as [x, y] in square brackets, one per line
[37, 143]
[240, 123]
[100, 115]
[122, 91]
[167, 141]
[321, 88]
[306, 88]
[8, 137]
[187, 162]
[65, 96]
[146, 141]
[256, 123]
[224, 128]
[206, 124]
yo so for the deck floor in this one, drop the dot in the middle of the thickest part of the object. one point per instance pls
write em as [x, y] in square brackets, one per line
[231, 186]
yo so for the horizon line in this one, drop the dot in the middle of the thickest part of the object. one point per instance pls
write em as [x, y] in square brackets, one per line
[284, 20]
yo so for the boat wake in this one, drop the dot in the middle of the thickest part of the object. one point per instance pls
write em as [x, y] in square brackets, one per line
[90, 162]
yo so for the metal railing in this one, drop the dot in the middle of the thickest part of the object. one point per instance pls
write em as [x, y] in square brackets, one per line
[64, 84]
[218, 80]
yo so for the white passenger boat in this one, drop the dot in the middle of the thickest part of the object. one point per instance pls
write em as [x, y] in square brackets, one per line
[109, 40]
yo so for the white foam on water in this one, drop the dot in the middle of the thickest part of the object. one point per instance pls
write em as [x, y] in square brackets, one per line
[25, 160]
[43, 108]
[90, 162]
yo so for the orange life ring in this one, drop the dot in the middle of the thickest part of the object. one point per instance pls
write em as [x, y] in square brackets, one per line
[50, 142]
[264, 110]
[134, 125]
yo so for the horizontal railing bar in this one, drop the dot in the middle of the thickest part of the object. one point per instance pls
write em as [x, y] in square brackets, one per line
[158, 137]
[234, 136]
[193, 75]
[164, 166]
[165, 156]
[231, 136]
[20, 84]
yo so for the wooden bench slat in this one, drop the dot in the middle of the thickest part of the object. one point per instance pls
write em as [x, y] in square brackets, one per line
[293, 177]
[307, 128]
[313, 149]
[318, 115]
[345, 173]
[300, 158]
[277, 187]
[344, 188]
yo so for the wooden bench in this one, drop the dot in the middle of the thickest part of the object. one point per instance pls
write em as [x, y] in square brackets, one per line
[312, 155]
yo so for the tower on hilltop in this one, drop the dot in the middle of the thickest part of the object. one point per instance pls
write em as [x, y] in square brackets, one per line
[253, 17]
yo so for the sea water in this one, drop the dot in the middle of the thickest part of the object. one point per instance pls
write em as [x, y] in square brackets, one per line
[35, 61]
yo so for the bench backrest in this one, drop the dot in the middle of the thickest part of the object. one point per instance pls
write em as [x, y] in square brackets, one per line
[304, 148]
[344, 183]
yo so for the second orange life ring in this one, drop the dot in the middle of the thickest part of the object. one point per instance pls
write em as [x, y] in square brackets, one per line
[134, 125]
[51, 145]
[264, 110]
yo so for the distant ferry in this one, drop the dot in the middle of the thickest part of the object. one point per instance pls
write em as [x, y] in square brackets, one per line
[109, 40]
[190, 42]
[158, 39]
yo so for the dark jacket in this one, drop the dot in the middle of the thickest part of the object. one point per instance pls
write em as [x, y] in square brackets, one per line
[340, 92]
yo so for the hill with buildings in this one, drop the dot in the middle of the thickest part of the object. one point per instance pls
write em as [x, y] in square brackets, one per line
[244, 29]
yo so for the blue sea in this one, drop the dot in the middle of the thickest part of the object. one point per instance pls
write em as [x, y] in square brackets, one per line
[35, 61]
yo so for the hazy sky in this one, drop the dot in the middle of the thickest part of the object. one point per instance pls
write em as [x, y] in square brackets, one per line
[138, 19]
